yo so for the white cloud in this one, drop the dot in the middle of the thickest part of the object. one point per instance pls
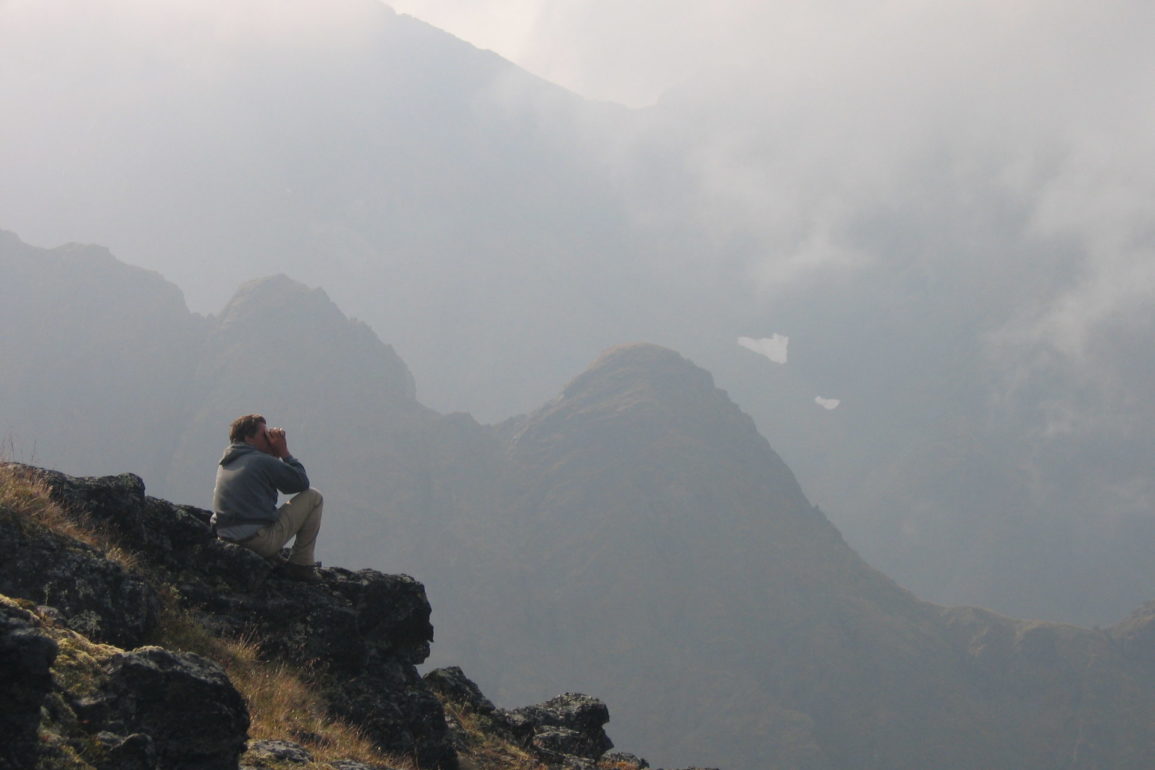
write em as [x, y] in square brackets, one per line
[827, 403]
[773, 348]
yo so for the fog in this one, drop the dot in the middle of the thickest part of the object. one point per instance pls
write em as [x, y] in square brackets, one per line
[945, 208]
[824, 115]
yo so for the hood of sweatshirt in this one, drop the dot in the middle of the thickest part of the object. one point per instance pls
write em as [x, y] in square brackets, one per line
[233, 451]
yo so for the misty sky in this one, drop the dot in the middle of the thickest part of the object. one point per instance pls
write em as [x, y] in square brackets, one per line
[830, 115]
[1047, 103]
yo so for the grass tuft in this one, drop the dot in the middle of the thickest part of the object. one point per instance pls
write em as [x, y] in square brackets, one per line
[26, 501]
[482, 746]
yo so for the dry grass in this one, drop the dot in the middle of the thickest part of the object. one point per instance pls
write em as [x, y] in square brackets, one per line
[26, 497]
[26, 500]
[283, 703]
[484, 748]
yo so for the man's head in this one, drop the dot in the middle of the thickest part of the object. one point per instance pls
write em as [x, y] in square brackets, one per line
[247, 429]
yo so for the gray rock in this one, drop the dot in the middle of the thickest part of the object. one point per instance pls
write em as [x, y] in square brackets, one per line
[92, 595]
[184, 703]
[26, 657]
[624, 759]
[277, 751]
[452, 683]
[569, 725]
[349, 764]
[132, 752]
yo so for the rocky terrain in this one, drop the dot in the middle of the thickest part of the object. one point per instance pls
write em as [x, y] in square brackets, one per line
[88, 685]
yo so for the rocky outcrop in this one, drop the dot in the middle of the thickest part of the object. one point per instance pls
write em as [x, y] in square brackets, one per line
[362, 633]
[570, 725]
[567, 731]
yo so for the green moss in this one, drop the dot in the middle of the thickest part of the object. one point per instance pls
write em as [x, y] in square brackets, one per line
[63, 740]
[79, 663]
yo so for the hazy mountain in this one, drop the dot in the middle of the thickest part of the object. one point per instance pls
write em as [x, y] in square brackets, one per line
[635, 537]
[97, 359]
[665, 553]
[958, 280]
[436, 190]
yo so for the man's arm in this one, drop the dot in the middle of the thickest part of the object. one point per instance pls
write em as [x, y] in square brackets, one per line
[290, 477]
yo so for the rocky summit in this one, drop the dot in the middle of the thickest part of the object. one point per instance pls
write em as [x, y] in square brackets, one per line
[87, 685]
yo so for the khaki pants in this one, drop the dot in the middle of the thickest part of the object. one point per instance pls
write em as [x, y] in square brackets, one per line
[299, 518]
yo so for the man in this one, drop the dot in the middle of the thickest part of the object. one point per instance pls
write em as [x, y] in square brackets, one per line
[255, 467]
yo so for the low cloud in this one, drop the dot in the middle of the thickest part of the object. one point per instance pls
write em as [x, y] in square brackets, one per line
[774, 348]
[827, 403]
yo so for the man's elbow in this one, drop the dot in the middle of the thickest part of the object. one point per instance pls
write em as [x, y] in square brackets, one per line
[296, 486]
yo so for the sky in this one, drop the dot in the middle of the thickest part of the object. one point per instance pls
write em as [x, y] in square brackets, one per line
[586, 47]
[843, 134]
[631, 51]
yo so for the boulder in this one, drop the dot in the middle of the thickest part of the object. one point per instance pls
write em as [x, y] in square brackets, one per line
[569, 725]
[26, 658]
[184, 703]
[453, 685]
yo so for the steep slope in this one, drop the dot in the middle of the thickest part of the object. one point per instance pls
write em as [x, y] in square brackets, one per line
[662, 552]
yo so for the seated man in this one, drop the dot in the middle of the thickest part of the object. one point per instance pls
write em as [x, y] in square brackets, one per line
[255, 467]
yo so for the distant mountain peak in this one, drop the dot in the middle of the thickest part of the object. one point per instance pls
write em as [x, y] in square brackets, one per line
[274, 292]
[643, 404]
[641, 372]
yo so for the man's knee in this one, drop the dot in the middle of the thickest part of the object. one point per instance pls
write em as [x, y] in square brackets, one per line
[310, 497]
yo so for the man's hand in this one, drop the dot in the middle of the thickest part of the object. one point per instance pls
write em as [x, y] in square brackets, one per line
[278, 446]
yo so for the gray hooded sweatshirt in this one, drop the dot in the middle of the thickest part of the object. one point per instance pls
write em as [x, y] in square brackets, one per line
[248, 480]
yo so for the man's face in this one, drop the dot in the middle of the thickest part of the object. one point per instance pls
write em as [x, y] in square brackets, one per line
[260, 439]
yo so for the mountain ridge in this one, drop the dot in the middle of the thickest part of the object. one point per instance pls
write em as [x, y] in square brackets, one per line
[634, 537]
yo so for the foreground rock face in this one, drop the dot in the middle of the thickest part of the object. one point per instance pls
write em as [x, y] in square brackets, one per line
[177, 707]
[93, 595]
[150, 708]
[365, 631]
